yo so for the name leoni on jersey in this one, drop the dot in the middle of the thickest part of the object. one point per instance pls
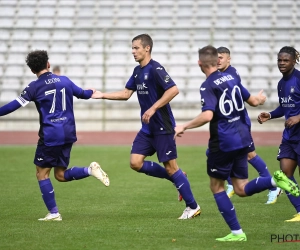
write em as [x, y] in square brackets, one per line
[223, 79]
[52, 80]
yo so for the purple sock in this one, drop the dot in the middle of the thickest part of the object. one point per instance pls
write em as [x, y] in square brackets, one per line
[261, 168]
[294, 200]
[229, 181]
[227, 210]
[76, 173]
[183, 186]
[48, 195]
[154, 169]
[258, 185]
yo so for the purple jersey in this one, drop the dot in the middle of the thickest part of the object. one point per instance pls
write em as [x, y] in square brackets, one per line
[289, 99]
[53, 98]
[224, 94]
[232, 71]
[150, 82]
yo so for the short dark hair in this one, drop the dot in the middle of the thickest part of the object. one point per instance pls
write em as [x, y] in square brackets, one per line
[208, 55]
[223, 50]
[37, 60]
[290, 50]
[146, 40]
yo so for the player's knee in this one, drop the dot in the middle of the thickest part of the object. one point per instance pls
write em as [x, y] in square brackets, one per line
[216, 188]
[171, 169]
[60, 176]
[135, 165]
[239, 191]
[251, 155]
[41, 176]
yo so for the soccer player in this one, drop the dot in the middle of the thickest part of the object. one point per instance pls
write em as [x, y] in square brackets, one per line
[155, 89]
[222, 99]
[53, 97]
[56, 70]
[289, 106]
[253, 158]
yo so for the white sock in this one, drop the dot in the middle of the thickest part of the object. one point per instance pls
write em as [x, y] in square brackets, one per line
[236, 232]
[273, 182]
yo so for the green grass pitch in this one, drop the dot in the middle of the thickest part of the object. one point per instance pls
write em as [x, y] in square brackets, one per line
[135, 212]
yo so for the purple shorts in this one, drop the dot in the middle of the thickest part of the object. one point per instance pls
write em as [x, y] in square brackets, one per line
[163, 145]
[289, 150]
[251, 147]
[55, 156]
[221, 165]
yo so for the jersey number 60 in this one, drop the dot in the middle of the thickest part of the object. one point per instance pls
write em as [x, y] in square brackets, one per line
[231, 102]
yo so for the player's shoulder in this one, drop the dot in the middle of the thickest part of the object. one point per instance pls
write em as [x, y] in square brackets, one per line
[297, 74]
[232, 70]
[156, 65]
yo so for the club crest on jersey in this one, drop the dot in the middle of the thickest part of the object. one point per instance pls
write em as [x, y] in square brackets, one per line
[167, 78]
[146, 76]
[292, 89]
[202, 102]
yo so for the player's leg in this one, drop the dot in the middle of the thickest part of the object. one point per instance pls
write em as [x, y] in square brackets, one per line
[260, 184]
[239, 176]
[45, 159]
[289, 157]
[166, 151]
[262, 169]
[63, 174]
[48, 195]
[141, 148]
[227, 210]
[229, 189]
[288, 166]
[219, 165]
[259, 164]
[183, 186]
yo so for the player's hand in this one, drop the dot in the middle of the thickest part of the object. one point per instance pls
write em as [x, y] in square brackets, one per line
[94, 90]
[290, 122]
[261, 97]
[179, 131]
[97, 95]
[263, 117]
[147, 115]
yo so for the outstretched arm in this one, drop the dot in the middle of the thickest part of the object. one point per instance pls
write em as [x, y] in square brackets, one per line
[165, 99]
[203, 118]
[124, 94]
[276, 113]
[255, 100]
[9, 107]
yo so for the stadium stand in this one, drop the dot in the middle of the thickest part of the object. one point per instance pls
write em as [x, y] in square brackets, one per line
[91, 41]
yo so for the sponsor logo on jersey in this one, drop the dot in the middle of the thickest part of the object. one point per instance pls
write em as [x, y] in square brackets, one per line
[286, 102]
[141, 89]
